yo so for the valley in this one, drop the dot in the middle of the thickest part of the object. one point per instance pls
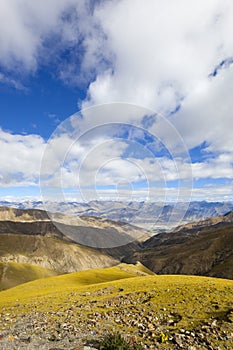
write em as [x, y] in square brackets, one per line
[157, 292]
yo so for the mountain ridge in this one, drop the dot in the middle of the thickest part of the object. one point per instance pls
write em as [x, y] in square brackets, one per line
[202, 248]
[199, 249]
[149, 215]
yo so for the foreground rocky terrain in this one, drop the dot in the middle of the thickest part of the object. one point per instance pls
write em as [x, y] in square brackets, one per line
[159, 312]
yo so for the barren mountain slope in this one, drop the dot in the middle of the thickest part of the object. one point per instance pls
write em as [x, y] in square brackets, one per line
[204, 248]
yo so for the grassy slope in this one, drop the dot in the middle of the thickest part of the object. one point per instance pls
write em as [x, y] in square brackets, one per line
[189, 300]
[12, 274]
[170, 292]
[65, 283]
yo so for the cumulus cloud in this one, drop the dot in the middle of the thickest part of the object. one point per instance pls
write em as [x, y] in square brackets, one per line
[161, 50]
[175, 58]
[36, 33]
[167, 56]
[164, 54]
[23, 27]
[206, 114]
[68, 162]
[20, 159]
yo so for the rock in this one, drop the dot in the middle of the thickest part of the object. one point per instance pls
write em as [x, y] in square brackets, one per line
[229, 315]
[214, 323]
[52, 337]
[151, 327]
[177, 340]
[25, 338]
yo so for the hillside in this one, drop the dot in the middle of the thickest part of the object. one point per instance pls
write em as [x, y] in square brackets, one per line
[29, 237]
[20, 215]
[12, 274]
[51, 253]
[90, 231]
[161, 312]
[203, 248]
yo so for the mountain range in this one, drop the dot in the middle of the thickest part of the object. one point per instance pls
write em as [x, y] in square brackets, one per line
[32, 246]
[201, 248]
[153, 216]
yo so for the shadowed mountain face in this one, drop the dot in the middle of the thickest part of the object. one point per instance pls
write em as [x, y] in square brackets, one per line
[88, 231]
[30, 237]
[51, 253]
[203, 248]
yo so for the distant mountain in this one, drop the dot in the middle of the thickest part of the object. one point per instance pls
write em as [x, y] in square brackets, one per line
[202, 248]
[150, 215]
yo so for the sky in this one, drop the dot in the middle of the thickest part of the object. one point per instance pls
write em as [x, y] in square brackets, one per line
[116, 99]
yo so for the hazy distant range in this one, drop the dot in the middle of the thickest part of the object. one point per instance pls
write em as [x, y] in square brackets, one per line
[149, 215]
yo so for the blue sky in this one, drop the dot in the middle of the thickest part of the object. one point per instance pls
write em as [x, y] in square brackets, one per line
[173, 61]
[40, 107]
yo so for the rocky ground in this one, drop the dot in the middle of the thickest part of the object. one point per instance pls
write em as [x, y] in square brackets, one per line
[80, 325]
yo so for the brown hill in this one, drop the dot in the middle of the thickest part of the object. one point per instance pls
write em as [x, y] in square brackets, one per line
[51, 253]
[30, 237]
[88, 231]
[204, 248]
[20, 215]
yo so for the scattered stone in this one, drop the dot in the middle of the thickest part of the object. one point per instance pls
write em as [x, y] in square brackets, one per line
[86, 323]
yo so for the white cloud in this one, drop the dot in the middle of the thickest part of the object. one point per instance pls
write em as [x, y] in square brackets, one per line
[163, 55]
[20, 159]
[160, 50]
[35, 33]
[155, 54]
[206, 114]
[23, 26]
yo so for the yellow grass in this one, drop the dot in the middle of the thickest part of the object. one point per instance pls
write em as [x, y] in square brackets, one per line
[193, 298]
